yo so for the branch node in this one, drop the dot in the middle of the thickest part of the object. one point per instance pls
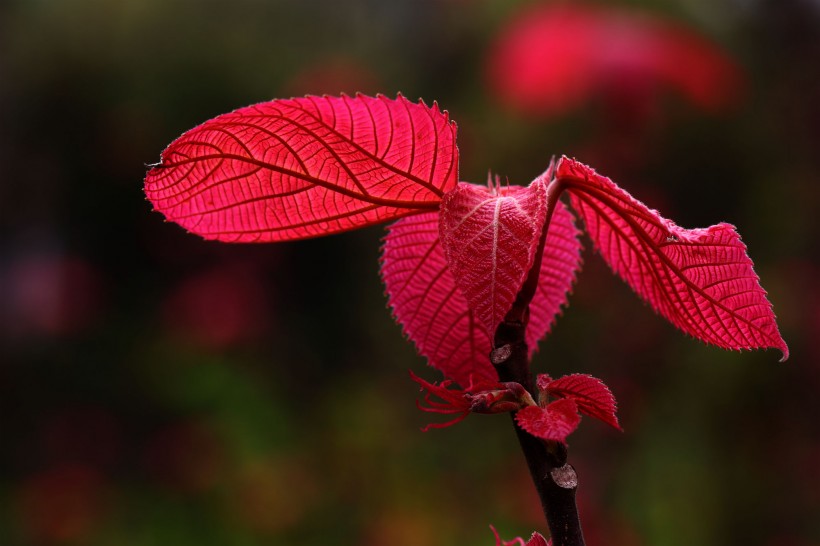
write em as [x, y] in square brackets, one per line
[564, 476]
[501, 354]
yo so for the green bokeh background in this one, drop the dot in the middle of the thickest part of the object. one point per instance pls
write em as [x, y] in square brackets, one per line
[156, 389]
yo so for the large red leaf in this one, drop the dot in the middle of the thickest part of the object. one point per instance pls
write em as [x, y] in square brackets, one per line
[297, 168]
[490, 236]
[701, 280]
[427, 303]
[435, 315]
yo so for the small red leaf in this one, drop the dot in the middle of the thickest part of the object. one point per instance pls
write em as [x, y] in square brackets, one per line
[701, 280]
[297, 168]
[555, 422]
[427, 303]
[490, 237]
[592, 396]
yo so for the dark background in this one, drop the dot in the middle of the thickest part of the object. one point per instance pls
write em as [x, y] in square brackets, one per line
[156, 389]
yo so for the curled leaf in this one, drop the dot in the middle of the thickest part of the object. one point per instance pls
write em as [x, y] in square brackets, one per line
[701, 280]
[305, 167]
[490, 236]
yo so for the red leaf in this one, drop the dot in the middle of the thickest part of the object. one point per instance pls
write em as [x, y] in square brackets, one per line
[701, 280]
[552, 58]
[555, 422]
[490, 237]
[425, 300]
[434, 313]
[589, 393]
[297, 168]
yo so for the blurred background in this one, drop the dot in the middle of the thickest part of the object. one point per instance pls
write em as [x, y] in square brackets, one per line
[156, 389]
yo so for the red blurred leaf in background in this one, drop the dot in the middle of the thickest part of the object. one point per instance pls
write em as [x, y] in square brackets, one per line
[701, 280]
[63, 504]
[218, 308]
[332, 75]
[50, 293]
[550, 59]
[297, 168]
